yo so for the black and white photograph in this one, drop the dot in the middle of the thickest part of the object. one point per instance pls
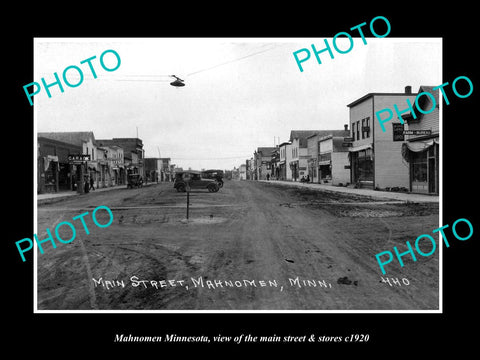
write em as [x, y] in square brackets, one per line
[218, 181]
[238, 174]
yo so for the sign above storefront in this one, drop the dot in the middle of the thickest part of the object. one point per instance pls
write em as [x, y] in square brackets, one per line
[417, 132]
[78, 157]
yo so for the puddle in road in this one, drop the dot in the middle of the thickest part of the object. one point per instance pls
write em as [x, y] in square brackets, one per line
[204, 220]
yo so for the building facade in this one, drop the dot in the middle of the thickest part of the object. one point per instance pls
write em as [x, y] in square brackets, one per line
[299, 153]
[133, 153]
[262, 162]
[55, 172]
[333, 160]
[153, 169]
[285, 152]
[312, 162]
[84, 163]
[375, 155]
[242, 172]
[421, 146]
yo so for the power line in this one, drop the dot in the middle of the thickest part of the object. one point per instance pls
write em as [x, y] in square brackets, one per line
[231, 61]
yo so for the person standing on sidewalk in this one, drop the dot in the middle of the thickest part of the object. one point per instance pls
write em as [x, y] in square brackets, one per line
[91, 183]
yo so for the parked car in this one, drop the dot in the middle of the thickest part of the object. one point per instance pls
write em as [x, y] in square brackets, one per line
[134, 180]
[195, 180]
[215, 175]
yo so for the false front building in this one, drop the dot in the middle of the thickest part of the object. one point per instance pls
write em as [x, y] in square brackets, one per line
[375, 155]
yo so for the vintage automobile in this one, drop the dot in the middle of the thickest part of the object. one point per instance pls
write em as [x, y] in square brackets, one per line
[215, 175]
[134, 180]
[194, 180]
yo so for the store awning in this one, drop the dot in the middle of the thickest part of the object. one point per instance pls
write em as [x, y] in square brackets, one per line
[324, 162]
[417, 146]
[361, 147]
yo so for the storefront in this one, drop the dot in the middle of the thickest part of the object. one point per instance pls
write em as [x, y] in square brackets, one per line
[423, 157]
[54, 171]
[313, 170]
[325, 168]
[48, 169]
[295, 169]
[361, 161]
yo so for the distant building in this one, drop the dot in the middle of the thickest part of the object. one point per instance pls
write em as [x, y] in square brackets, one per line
[285, 155]
[153, 168]
[262, 158]
[166, 173]
[333, 159]
[302, 154]
[275, 164]
[242, 172]
[299, 153]
[133, 153]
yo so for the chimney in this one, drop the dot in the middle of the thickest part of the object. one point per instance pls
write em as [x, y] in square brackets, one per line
[408, 90]
[345, 127]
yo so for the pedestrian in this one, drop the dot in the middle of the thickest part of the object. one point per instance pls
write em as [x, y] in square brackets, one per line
[268, 177]
[86, 187]
[91, 183]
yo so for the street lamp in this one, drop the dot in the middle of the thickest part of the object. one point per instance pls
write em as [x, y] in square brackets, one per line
[178, 82]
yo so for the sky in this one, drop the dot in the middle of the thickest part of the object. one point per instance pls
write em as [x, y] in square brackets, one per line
[239, 93]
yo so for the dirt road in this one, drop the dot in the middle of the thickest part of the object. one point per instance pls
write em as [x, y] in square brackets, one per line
[251, 246]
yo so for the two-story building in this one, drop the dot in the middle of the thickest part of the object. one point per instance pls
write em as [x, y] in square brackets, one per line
[285, 155]
[421, 147]
[274, 164]
[299, 152]
[375, 155]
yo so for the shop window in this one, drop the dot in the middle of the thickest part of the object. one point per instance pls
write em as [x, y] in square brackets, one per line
[419, 166]
[363, 165]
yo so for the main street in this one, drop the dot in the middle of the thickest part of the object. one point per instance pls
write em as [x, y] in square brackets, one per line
[250, 246]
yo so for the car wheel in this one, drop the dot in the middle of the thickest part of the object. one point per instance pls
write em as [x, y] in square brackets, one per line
[181, 188]
[211, 188]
